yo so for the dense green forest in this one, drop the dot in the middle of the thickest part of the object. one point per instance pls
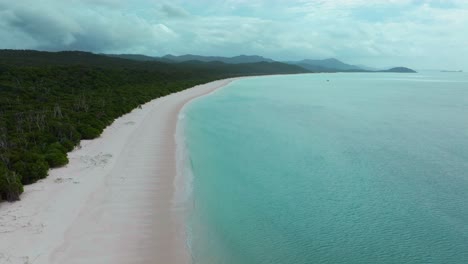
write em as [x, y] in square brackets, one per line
[51, 101]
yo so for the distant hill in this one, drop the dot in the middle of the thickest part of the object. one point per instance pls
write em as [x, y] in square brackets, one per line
[229, 60]
[184, 58]
[367, 68]
[451, 71]
[399, 69]
[315, 68]
[326, 65]
[136, 57]
[334, 65]
[32, 58]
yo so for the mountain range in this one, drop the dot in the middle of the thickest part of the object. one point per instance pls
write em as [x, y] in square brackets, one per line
[325, 65]
[32, 58]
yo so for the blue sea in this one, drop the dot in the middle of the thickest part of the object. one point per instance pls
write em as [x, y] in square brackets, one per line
[330, 168]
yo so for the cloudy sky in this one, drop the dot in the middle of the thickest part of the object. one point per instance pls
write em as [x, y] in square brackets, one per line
[422, 34]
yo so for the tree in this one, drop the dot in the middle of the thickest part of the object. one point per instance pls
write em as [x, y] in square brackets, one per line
[10, 185]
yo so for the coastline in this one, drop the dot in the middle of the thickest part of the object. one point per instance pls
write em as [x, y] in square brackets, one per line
[114, 202]
[184, 176]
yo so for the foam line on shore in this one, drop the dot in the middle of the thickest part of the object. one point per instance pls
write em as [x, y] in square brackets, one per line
[182, 199]
[114, 201]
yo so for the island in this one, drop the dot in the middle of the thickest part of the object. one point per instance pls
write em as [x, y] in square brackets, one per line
[400, 69]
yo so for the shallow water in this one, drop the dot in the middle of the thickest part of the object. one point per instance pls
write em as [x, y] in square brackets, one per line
[363, 168]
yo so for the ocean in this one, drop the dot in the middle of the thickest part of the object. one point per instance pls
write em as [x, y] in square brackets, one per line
[329, 168]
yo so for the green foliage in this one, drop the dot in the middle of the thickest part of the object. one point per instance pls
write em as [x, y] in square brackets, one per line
[56, 147]
[51, 101]
[32, 168]
[68, 145]
[56, 155]
[30, 165]
[88, 132]
[56, 159]
[10, 185]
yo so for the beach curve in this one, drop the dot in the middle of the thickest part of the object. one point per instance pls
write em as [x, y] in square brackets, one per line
[113, 202]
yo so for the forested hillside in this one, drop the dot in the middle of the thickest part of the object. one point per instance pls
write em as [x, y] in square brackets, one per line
[50, 101]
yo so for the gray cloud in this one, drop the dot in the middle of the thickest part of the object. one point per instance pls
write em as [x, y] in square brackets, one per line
[45, 29]
[172, 11]
[416, 35]
[54, 27]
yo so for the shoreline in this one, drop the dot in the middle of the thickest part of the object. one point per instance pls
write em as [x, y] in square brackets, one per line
[114, 202]
[184, 176]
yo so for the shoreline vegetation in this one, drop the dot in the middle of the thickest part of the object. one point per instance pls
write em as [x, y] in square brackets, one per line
[50, 101]
[119, 191]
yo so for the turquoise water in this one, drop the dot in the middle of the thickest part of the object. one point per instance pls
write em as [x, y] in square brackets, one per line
[363, 168]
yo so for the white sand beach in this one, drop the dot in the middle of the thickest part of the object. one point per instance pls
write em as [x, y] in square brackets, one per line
[113, 202]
